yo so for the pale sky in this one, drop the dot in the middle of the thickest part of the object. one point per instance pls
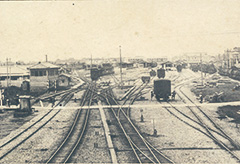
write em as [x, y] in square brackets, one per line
[150, 28]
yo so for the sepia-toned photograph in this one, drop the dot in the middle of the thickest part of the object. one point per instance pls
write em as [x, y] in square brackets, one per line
[120, 81]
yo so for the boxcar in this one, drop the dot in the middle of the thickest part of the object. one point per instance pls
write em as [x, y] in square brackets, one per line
[145, 79]
[95, 73]
[161, 73]
[179, 68]
[162, 89]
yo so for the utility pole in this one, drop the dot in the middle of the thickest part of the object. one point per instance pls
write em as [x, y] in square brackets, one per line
[10, 72]
[120, 65]
[7, 72]
[227, 60]
[201, 68]
[91, 62]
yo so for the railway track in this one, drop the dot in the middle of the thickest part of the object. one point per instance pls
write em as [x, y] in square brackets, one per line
[203, 123]
[51, 95]
[143, 150]
[74, 137]
[21, 137]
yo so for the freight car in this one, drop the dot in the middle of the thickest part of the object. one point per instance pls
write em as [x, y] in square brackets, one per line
[101, 70]
[179, 68]
[106, 69]
[162, 89]
[161, 73]
[145, 79]
[95, 73]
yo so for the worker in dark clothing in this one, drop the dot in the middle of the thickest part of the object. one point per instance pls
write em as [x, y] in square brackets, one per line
[173, 95]
[8, 103]
[201, 98]
[53, 102]
[152, 94]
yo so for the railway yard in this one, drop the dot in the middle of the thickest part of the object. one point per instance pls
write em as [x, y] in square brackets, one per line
[105, 122]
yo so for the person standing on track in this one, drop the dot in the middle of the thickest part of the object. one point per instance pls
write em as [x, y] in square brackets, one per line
[201, 98]
[152, 94]
[173, 95]
[53, 102]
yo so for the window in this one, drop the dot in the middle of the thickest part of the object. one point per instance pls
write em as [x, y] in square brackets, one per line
[56, 72]
[44, 73]
[36, 73]
[14, 78]
[32, 73]
[40, 73]
[51, 73]
[63, 81]
[3, 78]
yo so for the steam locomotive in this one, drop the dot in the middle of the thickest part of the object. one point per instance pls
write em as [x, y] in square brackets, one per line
[101, 70]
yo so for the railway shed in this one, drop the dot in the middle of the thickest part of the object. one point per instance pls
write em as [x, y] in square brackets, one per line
[14, 76]
[64, 81]
[167, 65]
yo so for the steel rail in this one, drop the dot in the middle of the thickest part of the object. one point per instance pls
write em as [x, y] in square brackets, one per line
[27, 130]
[220, 143]
[82, 132]
[214, 124]
[148, 145]
[19, 134]
[125, 133]
[72, 127]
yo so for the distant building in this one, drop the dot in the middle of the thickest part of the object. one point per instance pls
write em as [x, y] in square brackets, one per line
[127, 65]
[13, 76]
[194, 58]
[43, 76]
[64, 81]
[166, 65]
[137, 59]
[229, 58]
[158, 60]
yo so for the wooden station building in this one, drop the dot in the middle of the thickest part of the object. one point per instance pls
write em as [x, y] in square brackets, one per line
[43, 76]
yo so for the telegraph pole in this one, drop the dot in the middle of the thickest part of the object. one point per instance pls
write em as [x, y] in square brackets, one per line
[91, 62]
[10, 71]
[7, 72]
[201, 69]
[227, 60]
[120, 65]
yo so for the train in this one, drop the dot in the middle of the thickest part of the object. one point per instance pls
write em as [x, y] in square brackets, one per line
[206, 68]
[106, 69]
[101, 70]
[161, 73]
[179, 68]
[145, 79]
[162, 89]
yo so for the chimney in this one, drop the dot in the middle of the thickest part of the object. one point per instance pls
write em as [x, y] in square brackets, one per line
[46, 58]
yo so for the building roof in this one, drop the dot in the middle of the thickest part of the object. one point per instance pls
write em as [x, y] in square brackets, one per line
[14, 71]
[167, 62]
[66, 75]
[43, 65]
